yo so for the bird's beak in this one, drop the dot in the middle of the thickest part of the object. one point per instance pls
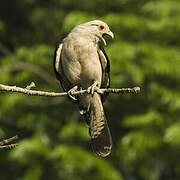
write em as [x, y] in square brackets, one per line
[109, 33]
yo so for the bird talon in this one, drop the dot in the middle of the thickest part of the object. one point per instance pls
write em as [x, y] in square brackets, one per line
[89, 90]
[70, 93]
[98, 90]
[92, 88]
[72, 97]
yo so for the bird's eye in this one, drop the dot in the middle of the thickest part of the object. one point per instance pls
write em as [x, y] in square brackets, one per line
[101, 27]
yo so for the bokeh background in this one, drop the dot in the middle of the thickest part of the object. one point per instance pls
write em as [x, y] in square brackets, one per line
[53, 139]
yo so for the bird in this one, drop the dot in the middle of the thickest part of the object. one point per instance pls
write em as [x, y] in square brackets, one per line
[80, 62]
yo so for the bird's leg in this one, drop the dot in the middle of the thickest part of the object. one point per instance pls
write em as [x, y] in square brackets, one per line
[71, 91]
[93, 87]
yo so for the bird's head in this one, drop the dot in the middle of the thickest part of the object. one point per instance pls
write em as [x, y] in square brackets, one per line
[99, 29]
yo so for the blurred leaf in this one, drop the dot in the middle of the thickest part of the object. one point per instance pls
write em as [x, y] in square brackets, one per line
[147, 119]
[73, 130]
[83, 161]
[75, 18]
[26, 149]
[172, 134]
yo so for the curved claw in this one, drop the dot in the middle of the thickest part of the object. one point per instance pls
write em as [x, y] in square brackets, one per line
[71, 91]
[98, 90]
[91, 89]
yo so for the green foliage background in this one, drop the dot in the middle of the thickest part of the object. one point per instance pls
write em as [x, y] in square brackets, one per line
[53, 139]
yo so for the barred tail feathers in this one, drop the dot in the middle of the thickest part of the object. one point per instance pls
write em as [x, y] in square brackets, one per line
[98, 127]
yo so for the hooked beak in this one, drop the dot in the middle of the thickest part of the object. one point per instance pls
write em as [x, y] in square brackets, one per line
[110, 33]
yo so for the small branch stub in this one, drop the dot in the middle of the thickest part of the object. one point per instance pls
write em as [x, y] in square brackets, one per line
[32, 85]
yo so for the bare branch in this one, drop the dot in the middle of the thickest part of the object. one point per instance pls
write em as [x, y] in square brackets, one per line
[8, 146]
[5, 141]
[28, 91]
[54, 94]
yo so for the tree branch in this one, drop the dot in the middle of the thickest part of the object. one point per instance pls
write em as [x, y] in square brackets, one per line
[5, 141]
[28, 91]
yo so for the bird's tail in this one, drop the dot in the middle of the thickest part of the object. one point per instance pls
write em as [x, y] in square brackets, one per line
[98, 127]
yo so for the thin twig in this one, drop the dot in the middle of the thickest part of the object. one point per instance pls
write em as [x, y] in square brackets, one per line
[8, 146]
[54, 94]
[5, 141]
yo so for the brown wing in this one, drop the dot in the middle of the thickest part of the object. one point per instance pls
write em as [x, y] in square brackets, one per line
[58, 69]
[105, 83]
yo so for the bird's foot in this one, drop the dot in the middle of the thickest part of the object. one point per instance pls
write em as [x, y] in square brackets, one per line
[71, 93]
[98, 90]
[93, 87]
[80, 89]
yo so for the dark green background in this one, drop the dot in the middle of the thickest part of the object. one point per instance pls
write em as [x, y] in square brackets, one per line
[53, 139]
